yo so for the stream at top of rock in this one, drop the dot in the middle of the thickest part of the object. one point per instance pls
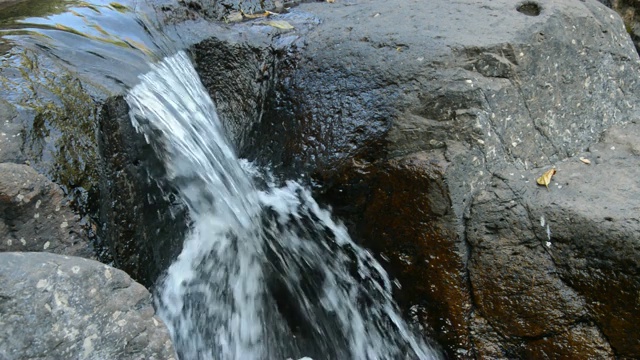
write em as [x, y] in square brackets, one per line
[265, 272]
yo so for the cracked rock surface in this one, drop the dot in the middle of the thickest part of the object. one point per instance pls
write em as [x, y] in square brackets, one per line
[63, 307]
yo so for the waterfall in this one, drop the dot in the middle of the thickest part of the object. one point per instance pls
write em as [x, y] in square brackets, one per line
[265, 272]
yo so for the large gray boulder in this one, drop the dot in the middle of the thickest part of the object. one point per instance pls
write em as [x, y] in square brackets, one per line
[408, 116]
[62, 307]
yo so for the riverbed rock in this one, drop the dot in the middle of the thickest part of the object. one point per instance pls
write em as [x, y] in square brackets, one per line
[405, 117]
[36, 215]
[64, 307]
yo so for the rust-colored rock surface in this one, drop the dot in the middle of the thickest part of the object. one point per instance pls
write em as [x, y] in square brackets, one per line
[424, 126]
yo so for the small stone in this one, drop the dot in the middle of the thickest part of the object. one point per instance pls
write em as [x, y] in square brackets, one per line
[234, 16]
[42, 283]
[46, 245]
[279, 6]
[585, 160]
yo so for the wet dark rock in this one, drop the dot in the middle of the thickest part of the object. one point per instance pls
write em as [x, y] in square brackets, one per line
[10, 138]
[239, 81]
[61, 307]
[562, 261]
[409, 119]
[142, 222]
[400, 208]
[36, 215]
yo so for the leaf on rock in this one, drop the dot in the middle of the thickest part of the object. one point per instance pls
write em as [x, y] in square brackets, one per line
[255, 16]
[280, 24]
[545, 179]
[585, 160]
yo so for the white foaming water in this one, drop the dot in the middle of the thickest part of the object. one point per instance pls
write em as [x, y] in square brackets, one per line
[264, 273]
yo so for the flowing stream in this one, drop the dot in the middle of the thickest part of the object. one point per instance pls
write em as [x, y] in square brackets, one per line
[265, 273]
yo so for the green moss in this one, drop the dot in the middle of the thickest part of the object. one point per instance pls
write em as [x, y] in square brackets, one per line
[30, 8]
[119, 7]
[63, 134]
[628, 27]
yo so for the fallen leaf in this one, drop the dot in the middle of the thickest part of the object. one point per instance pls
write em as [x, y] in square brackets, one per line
[545, 179]
[331, 1]
[254, 16]
[280, 24]
[585, 160]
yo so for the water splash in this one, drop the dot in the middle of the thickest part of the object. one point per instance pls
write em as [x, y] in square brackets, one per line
[265, 273]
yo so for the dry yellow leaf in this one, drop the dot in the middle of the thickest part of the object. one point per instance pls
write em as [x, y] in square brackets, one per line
[280, 24]
[545, 179]
[331, 1]
[585, 160]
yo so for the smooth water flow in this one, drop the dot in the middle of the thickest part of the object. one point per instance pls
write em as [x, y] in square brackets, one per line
[265, 273]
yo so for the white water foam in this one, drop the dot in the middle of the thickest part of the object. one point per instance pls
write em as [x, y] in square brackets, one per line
[264, 273]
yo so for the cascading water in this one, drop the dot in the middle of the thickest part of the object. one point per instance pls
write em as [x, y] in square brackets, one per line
[265, 273]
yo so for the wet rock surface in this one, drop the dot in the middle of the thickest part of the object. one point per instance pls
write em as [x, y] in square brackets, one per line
[36, 215]
[424, 126]
[562, 261]
[60, 307]
[411, 120]
[10, 139]
[142, 222]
